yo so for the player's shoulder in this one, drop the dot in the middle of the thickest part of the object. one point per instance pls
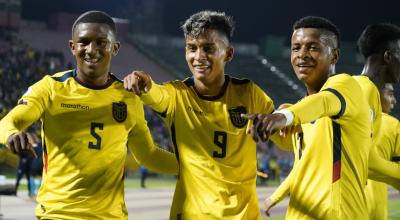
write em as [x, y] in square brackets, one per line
[389, 118]
[342, 77]
[343, 81]
[240, 81]
[62, 76]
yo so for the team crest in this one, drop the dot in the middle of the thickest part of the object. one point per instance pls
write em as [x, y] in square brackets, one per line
[119, 110]
[236, 119]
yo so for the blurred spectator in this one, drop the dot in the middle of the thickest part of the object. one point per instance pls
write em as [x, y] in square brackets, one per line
[143, 175]
[24, 168]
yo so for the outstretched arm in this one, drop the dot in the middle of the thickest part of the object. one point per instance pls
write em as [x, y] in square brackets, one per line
[324, 103]
[12, 128]
[152, 94]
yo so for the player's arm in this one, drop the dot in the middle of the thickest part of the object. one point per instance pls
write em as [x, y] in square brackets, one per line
[379, 167]
[29, 109]
[144, 150]
[325, 103]
[383, 170]
[280, 193]
[152, 94]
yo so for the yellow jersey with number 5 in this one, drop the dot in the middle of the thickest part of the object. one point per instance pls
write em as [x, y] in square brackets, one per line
[85, 136]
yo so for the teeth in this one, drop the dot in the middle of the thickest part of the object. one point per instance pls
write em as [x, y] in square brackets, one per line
[92, 60]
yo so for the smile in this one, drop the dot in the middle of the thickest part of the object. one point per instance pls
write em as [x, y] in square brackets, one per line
[91, 60]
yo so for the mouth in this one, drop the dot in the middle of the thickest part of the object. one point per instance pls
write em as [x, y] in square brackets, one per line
[304, 65]
[303, 68]
[201, 68]
[91, 61]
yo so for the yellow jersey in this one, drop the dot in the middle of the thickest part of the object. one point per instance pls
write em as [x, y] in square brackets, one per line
[329, 180]
[217, 159]
[388, 147]
[85, 133]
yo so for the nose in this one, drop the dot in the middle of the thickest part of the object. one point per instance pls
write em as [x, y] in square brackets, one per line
[394, 101]
[200, 55]
[303, 53]
[91, 48]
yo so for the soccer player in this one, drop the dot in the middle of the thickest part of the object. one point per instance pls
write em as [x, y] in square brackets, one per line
[388, 147]
[217, 160]
[374, 43]
[328, 181]
[380, 46]
[88, 121]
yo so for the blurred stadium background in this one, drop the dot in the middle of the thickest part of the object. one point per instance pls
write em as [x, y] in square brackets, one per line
[34, 42]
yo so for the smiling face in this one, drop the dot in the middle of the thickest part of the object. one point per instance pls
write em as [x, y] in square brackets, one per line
[207, 55]
[312, 56]
[93, 46]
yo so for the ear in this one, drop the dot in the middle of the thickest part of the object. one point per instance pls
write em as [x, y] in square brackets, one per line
[116, 47]
[229, 54]
[72, 46]
[335, 55]
[387, 57]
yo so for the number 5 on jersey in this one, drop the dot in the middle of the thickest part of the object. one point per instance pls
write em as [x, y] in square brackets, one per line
[93, 126]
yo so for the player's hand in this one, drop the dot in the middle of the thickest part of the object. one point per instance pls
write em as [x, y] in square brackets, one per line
[268, 204]
[265, 124]
[138, 82]
[286, 131]
[22, 142]
[252, 130]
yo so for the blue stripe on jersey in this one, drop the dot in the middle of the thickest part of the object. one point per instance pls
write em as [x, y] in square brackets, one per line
[64, 77]
[342, 102]
[337, 151]
[396, 159]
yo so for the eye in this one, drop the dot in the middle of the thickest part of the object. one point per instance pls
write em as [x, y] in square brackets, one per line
[209, 49]
[102, 43]
[83, 42]
[295, 48]
[191, 48]
[314, 48]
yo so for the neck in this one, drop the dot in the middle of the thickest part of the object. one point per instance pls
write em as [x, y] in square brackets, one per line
[97, 81]
[315, 87]
[212, 88]
[375, 71]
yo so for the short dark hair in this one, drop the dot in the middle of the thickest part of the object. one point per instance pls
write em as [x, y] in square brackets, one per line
[319, 23]
[376, 38]
[202, 21]
[95, 17]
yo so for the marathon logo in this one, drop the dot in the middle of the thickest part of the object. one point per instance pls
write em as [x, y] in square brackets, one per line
[75, 106]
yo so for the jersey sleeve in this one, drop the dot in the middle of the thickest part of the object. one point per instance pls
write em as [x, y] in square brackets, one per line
[283, 190]
[379, 167]
[338, 99]
[146, 153]
[28, 110]
[161, 98]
